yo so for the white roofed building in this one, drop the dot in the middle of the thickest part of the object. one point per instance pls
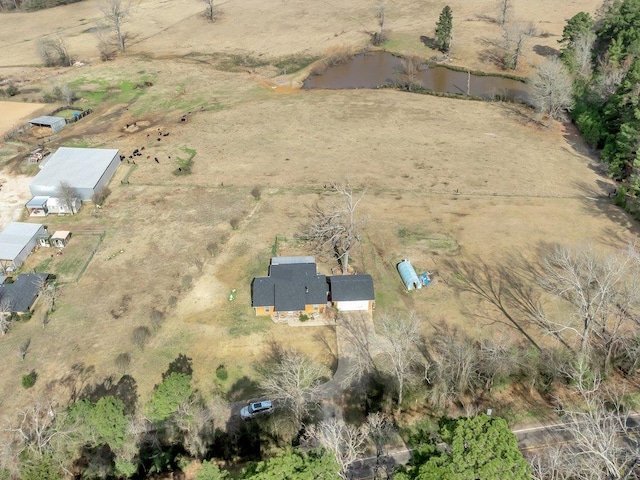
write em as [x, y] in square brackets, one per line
[87, 170]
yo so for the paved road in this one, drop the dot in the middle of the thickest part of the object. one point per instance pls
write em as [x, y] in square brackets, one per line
[529, 439]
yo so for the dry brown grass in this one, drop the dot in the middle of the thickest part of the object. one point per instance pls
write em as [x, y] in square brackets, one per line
[443, 177]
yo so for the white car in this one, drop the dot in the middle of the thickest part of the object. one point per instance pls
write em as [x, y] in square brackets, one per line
[254, 409]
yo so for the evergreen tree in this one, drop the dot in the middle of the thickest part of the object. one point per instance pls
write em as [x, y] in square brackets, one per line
[168, 396]
[477, 447]
[578, 26]
[618, 33]
[295, 465]
[444, 29]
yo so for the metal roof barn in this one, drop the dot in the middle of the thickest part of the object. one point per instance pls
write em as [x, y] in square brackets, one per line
[55, 123]
[17, 241]
[88, 170]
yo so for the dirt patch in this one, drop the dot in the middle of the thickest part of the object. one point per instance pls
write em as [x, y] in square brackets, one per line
[15, 114]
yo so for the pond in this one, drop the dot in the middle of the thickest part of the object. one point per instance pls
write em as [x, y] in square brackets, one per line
[380, 69]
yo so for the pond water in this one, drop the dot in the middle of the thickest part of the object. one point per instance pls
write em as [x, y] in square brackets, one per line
[379, 69]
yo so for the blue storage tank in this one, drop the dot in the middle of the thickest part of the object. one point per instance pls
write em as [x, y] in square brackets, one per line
[409, 275]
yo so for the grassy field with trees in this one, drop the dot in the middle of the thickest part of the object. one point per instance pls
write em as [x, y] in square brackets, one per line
[137, 363]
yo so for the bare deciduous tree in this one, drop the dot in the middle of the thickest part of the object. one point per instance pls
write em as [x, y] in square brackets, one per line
[69, 195]
[37, 430]
[116, 13]
[409, 69]
[504, 11]
[514, 35]
[603, 291]
[6, 317]
[552, 89]
[345, 442]
[398, 342]
[24, 348]
[602, 444]
[292, 379]
[381, 430]
[452, 373]
[379, 37]
[53, 52]
[195, 420]
[211, 11]
[582, 52]
[336, 227]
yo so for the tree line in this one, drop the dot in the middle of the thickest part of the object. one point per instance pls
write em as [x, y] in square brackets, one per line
[603, 55]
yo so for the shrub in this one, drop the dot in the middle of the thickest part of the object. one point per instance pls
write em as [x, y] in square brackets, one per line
[11, 90]
[140, 336]
[157, 318]
[123, 360]
[221, 373]
[29, 380]
[235, 223]
[99, 198]
[303, 317]
[255, 192]
[187, 281]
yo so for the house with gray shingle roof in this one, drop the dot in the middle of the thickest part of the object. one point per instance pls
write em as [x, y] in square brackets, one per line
[294, 287]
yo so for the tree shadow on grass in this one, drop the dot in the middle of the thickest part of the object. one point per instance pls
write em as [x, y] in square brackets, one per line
[126, 390]
[429, 42]
[243, 389]
[181, 364]
[546, 51]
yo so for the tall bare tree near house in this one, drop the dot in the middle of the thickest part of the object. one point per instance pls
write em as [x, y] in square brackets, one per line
[336, 227]
[398, 345]
[292, 379]
[69, 195]
[6, 319]
[211, 11]
[345, 442]
[552, 89]
[116, 14]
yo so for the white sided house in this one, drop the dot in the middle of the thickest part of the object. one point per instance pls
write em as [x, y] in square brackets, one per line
[86, 170]
[17, 241]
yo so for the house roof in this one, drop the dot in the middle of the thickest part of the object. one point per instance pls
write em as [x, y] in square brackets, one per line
[19, 296]
[289, 287]
[346, 288]
[15, 237]
[47, 120]
[79, 167]
[39, 201]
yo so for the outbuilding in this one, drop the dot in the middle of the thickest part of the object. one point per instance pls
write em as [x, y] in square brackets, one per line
[37, 206]
[54, 123]
[86, 170]
[409, 275]
[60, 239]
[17, 241]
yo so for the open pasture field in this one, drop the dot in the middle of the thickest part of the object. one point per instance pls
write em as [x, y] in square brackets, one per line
[280, 28]
[444, 179]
